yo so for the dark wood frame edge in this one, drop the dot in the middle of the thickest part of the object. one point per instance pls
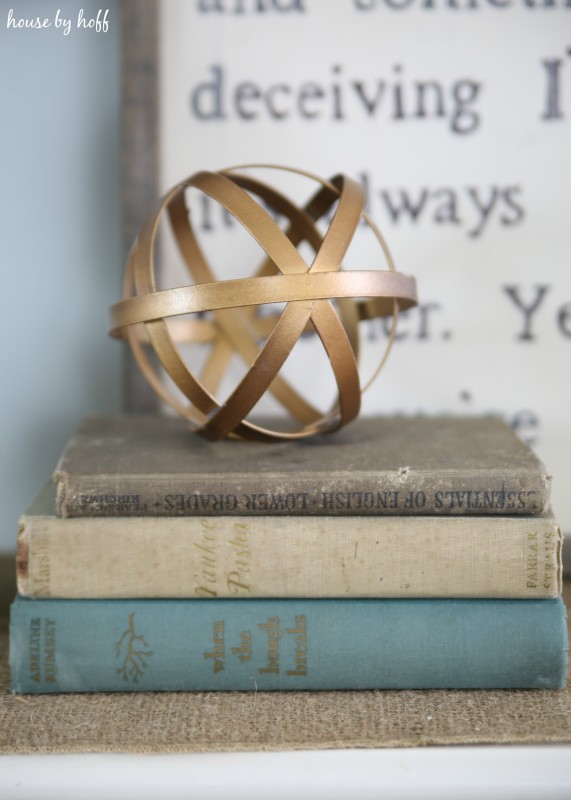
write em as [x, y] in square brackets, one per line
[139, 152]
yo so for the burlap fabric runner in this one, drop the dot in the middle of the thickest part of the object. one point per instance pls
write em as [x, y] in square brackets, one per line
[185, 722]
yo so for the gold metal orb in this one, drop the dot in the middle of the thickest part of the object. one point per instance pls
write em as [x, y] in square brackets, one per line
[320, 297]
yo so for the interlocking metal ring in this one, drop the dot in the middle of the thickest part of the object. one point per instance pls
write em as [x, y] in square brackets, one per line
[319, 297]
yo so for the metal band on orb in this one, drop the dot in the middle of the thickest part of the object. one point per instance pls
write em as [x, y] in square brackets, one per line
[320, 297]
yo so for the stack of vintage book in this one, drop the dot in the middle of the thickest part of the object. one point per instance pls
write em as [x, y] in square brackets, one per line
[399, 553]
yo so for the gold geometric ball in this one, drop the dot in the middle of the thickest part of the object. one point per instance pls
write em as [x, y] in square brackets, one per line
[318, 297]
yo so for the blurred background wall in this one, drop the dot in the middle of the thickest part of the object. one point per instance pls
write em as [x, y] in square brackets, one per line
[60, 249]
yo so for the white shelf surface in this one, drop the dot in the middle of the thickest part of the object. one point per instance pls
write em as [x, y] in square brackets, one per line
[427, 773]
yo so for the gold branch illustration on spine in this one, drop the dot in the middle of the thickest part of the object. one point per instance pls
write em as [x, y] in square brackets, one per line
[134, 663]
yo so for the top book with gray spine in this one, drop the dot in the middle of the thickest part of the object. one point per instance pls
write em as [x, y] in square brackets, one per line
[145, 465]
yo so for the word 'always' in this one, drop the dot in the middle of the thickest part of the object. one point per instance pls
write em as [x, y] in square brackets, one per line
[473, 209]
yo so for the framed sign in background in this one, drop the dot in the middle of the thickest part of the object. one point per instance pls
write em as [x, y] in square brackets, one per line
[456, 117]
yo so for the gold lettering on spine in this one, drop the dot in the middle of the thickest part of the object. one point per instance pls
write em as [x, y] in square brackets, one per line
[34, 650]
[238, 579]
[300, 633]
[39, 549]
[531, 565]
[272, 630]
[244, 652]
[550, 547]
[218, 650]
[50, 650]
[227, 574]
[206, 576]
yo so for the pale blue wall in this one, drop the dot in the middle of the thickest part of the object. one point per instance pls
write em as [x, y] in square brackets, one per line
[60, 251]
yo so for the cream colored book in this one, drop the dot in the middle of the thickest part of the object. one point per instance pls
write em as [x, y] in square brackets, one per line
[210, 557]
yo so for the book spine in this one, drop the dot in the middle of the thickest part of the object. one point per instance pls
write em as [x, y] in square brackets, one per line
[406, 492]
[196, 645]
[217, 557]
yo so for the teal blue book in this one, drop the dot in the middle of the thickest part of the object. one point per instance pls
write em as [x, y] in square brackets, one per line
[203, 645]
